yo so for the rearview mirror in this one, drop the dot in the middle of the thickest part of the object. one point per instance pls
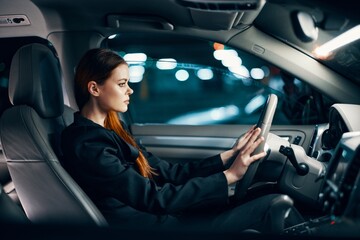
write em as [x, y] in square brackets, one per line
[304, 26]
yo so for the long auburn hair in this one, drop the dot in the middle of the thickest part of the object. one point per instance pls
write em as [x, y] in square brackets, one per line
[97, 65]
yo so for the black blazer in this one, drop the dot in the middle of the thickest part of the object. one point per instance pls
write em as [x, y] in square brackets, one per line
[103, 164]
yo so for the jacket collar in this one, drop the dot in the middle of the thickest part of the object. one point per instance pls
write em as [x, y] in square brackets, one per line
[83, 121]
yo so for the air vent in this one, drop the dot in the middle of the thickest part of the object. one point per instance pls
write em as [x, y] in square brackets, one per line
[221, 5]
[13, 20]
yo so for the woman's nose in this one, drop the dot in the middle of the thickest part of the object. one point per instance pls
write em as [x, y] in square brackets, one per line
[130, 91]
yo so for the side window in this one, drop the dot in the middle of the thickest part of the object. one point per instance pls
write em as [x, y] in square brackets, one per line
[198, 82]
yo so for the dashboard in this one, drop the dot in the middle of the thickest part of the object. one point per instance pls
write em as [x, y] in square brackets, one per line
[343, 118]
[342, 141]
[339, 192]
[337, 127]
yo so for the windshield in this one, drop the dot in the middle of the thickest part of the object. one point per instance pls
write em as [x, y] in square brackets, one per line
[190, 81]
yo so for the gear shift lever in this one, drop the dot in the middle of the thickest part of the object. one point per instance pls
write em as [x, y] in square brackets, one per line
[301, 168]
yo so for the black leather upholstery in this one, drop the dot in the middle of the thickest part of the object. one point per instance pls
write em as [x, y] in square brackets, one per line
[10, 212]
[30, 133]
[35, 80]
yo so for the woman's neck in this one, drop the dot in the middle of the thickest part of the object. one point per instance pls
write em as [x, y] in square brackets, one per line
[93, 113]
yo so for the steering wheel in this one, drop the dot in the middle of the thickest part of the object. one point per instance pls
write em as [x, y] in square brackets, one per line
[264, 123]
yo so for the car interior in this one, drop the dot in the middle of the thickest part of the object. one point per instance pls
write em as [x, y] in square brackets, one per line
[307, 105]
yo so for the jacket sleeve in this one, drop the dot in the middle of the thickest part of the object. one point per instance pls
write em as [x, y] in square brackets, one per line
[179, 173]
[104, 171]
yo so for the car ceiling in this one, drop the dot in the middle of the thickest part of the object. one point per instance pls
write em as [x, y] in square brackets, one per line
[92, 13]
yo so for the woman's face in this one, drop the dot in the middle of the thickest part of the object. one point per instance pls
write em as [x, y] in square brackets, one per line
[114, 94]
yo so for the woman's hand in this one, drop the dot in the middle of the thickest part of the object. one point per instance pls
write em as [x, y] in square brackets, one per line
[240, 143]
[245, 146]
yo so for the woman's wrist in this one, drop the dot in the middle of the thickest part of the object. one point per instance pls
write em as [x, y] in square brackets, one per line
[225, 156]
[230, 177]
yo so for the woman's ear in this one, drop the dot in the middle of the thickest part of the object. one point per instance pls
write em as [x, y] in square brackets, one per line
[93, 88]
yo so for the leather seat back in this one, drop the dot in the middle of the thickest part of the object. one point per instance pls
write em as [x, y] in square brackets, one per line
[30, 133]
[10, 212]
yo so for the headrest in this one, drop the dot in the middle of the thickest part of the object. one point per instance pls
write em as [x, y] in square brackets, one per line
[35, 80]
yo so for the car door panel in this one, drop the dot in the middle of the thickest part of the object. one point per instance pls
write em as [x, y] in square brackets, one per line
[181, 143]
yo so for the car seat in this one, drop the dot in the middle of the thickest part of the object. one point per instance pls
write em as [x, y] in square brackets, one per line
[30, 133]
[10, 212]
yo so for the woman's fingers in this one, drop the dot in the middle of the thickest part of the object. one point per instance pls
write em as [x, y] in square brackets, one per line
[249, 132]
[252, 140]
[251, 149]
[244, 139]
[257, 156]
[253, 145]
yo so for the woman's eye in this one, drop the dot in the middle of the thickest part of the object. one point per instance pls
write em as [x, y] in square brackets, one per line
[121, 84]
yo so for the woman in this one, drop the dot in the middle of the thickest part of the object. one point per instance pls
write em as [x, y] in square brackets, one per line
[130, 185]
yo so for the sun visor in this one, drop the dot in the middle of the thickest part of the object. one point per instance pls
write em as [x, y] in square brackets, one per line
[138, 22]
[223, 14]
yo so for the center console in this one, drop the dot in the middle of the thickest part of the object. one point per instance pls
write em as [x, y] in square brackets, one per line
[339, 196]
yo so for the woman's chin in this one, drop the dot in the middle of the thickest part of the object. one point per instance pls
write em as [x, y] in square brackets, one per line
[122, 110]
